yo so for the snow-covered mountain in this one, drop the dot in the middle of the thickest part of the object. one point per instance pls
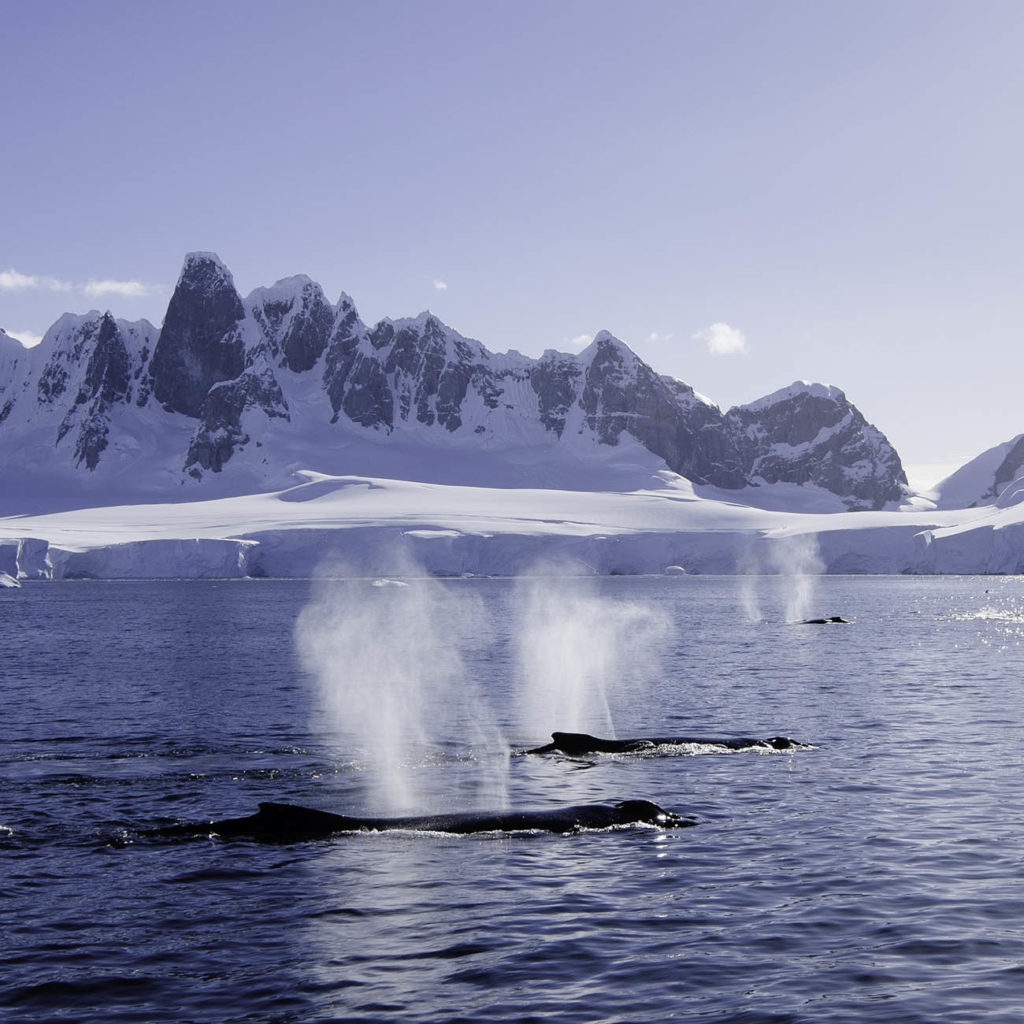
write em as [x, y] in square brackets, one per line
[995, 477]
[232, 396]
[810, 434]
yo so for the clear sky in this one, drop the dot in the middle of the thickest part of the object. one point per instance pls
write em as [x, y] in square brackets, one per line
[747, 192]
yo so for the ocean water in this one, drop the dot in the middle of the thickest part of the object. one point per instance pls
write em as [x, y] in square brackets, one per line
[878, 877]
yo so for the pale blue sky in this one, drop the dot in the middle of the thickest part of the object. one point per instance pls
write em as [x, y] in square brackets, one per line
[840, 182]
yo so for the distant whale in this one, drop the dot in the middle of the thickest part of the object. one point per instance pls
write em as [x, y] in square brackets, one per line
[581, 743]
[824, 622]
[289, 823]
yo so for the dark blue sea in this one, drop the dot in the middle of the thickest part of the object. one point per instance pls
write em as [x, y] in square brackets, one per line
[877, 877]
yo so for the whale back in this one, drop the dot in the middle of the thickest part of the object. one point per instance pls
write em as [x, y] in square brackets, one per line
[584, 743]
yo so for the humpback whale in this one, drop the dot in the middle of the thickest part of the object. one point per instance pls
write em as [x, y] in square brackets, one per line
[581, 743]
[285, 823]
[824, 622]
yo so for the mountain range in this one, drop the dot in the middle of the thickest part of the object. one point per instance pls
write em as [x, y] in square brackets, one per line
[232, 395]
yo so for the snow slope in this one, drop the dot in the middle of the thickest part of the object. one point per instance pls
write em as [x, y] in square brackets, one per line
[372, 526]
[993, 477]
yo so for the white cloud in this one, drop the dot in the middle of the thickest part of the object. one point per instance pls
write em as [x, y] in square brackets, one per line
[14, 281]
[441, 286]
[97, 289]
[27, 338]
[657, 336]
[723, 340]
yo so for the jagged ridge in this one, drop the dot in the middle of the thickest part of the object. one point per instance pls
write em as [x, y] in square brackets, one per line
[226, 376]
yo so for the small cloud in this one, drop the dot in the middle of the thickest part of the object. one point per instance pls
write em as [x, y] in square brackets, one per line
[657, 336]
[131, 289]
[14, 281]
[441, 286]
[723, 340]
[27, 338]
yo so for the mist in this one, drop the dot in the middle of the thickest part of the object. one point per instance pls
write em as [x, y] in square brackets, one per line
[581, 654]
[388, 658]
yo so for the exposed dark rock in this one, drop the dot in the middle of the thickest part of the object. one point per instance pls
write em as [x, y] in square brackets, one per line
[96, 341]
[53, 382]
[221, 433]
[107, 381]
[622, 393]
[92, 439]
[394, 372]
[297, 325]
[556, 381]
[73, 341]
[362, 395]
[108, 373]
[811, 434]
[431, 369]
[198, 347]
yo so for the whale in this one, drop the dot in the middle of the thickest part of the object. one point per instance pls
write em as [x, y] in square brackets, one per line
[577, 743]
[824, 622]
[275, 822]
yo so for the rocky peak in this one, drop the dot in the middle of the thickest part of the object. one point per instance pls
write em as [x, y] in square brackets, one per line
[64, 347]
[352, 378]
[198, 347]
[606, 348]
[429, 367]
[611, 386]
[811, 433]
[296, 320]
[688, 435]
[85, 370]
[794, 415]
[107, 380]
[205, 271]
[108, 372]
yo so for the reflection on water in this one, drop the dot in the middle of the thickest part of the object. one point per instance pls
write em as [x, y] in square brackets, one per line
[1003, 616]
[876, 878]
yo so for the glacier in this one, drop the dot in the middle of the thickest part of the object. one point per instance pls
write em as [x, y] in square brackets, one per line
[375, 527]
